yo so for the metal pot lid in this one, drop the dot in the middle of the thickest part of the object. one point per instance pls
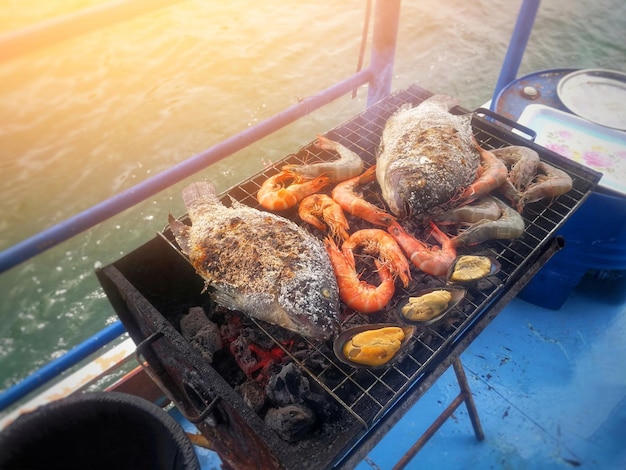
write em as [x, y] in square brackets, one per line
[597, 95]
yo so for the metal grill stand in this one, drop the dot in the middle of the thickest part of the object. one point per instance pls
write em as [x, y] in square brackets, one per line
[465, 395]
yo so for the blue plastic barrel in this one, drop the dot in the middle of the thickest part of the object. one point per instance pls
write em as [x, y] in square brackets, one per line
[595, 235]
[595, 239]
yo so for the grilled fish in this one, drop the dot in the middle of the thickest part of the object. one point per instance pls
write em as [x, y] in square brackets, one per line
[259, 263]
[426, 156]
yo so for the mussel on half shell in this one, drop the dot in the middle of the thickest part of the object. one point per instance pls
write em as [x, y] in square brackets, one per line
[429, 305]
[371, 346]
[471, 268]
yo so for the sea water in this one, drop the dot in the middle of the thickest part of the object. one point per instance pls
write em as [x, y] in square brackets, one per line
[92, 116]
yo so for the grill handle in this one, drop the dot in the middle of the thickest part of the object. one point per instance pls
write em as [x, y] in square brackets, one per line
[193, 392]
[529, 133]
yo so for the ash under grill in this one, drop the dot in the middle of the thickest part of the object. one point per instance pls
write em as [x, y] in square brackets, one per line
[154, 286]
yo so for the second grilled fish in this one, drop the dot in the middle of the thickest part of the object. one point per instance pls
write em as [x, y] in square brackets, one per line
[426, 157]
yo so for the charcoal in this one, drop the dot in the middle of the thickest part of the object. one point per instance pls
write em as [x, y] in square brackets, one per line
[290, 386]
[231, 327]
[193, 322]
[253, 395]
[291, 422]
[225, 365]
[315, 360]
[244, 356]
[253, 335]
[207, 341]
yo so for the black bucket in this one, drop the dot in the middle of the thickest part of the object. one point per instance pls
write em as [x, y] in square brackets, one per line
[100, 430]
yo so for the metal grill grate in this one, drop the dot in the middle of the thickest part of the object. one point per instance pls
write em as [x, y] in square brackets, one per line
[368, 394]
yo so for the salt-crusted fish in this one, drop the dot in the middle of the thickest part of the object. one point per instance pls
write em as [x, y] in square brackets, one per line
[259, 263]
[426, 156]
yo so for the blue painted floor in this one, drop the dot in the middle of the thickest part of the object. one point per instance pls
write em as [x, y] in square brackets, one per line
[550, 388]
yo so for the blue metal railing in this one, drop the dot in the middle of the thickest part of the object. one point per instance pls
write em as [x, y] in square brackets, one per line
[378, 75]
[57, 366]
[517, 46]
[76, 224]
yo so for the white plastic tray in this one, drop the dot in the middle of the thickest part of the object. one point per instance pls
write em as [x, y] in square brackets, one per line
[582, 141]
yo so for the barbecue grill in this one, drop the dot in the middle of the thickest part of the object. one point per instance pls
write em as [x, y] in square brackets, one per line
[154, 286]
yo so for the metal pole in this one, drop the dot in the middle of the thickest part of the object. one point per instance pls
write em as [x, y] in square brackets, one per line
[384, 38]
[517, 46]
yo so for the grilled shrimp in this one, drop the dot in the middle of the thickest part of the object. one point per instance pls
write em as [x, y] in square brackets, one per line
[352, 203]
[522, 162]
[511, 194]
[549, 183]
[509, 225]
[285, 190]
[348, 166]
[484, 208]
[355, 293]
[321, 211]
[491, 174]
[379, 243]
[431, 260]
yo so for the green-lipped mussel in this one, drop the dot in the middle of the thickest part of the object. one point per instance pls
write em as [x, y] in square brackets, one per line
[470, 268]
[373, 345]
[429, 305]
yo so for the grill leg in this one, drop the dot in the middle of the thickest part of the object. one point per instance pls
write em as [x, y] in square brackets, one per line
[468, 398]
[465, 395]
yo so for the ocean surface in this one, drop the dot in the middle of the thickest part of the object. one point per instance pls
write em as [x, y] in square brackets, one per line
[89, 117]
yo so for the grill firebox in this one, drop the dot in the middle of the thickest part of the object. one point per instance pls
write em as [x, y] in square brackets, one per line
[152, 287]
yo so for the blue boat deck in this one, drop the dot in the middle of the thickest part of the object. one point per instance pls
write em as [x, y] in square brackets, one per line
[549, 385]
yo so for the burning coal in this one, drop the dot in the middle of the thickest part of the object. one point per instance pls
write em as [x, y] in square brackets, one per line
[262, 369]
